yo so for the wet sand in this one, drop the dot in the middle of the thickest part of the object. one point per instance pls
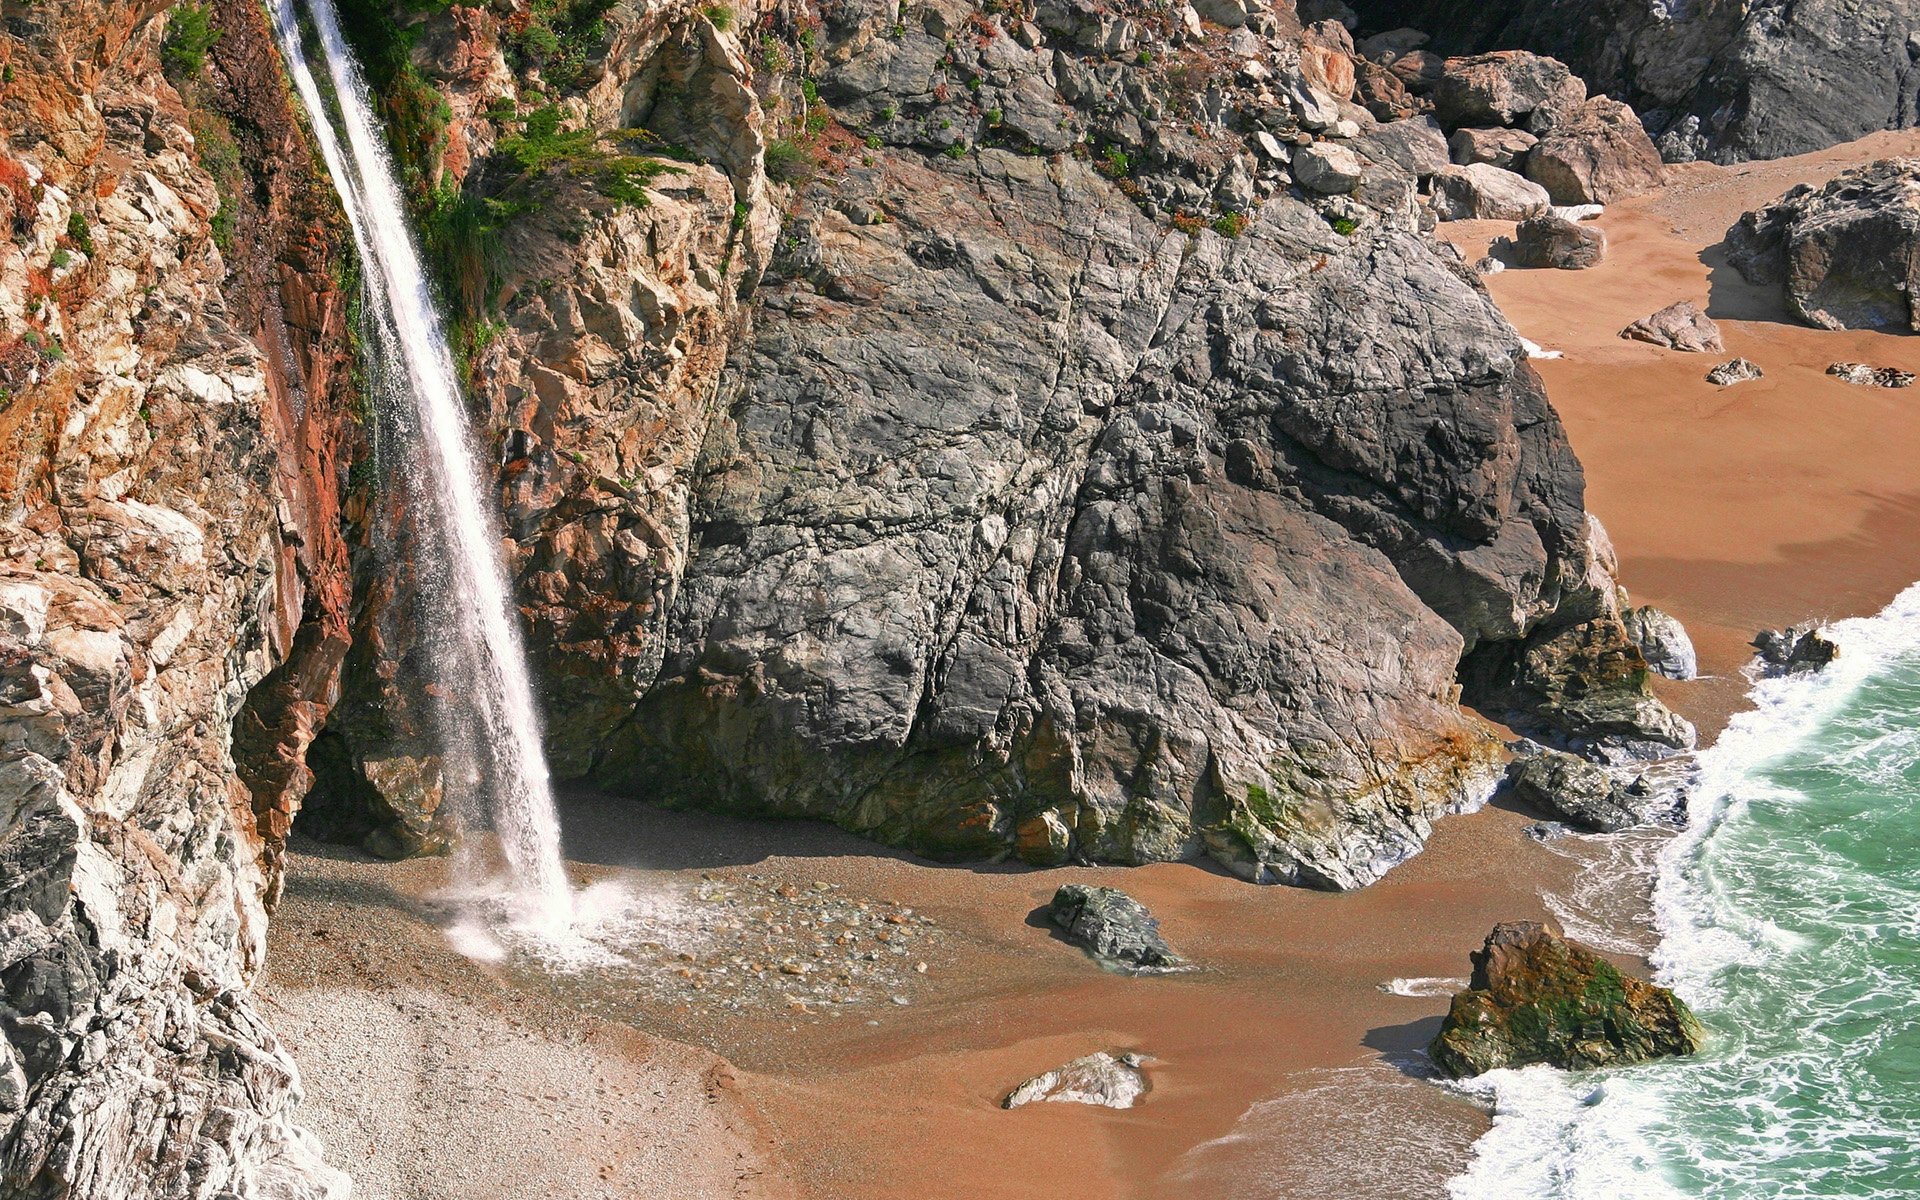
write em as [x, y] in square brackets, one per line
[1283, 1069]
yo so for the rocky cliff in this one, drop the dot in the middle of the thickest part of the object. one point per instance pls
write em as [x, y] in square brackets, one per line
[975, 432]
[1725, 80]
[172, 594]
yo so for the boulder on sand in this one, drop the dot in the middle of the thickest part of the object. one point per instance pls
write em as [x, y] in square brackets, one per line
[1847, 254]
[1597, 154]
[1483, 192]
[1538, 998]
[1113, 927]
[1108, 1079]
[1547, 241]
[1586, 796]
[1662, 639]
[1863, 375]
[1678, 326]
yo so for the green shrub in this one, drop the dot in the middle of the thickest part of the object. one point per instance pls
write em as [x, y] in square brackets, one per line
[787, 160]
[957, 150]
[80, 234]
[719, 16]
[1231, 224]
[1344, 226]
[190, 34]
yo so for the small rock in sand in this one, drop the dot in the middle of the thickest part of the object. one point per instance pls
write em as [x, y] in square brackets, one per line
[1550, 242]
[1110, 1079]
[1737, 370]
[1679, 326]
[1866, 376]
[1794, 650]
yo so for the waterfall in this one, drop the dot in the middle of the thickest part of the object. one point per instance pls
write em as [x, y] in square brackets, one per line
[495, 768]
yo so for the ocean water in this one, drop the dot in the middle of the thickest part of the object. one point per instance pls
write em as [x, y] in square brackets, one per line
[1789, 916]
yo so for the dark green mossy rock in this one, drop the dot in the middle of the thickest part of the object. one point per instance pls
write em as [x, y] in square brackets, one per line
[1538, 998]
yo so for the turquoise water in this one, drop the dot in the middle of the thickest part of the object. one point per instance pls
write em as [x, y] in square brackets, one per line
[1789, 914]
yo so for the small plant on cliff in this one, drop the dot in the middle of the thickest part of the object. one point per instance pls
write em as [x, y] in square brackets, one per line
[719, 16]
[80, 234]
[1115, 163]
[190, 34]
[787, 160]
[1344, 226]
[1231, 224]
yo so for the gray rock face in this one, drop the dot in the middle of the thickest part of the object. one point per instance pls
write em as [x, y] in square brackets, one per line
[1585, 795]
[1794, 650]
[1679, 326]
[1847, 254]
[1501, 147]
[1727, 82]
[1595, 154]
[1114, 927]
[1108, 1079]
[1738, 370]
[1484, 192]
[1507, 87]
[1662, 641]
[1550, 242]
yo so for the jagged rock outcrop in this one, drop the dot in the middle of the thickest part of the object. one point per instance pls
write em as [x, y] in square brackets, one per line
[1662, 640]
[1795, 650]
[1035, 511]
[1714, 80]
[1586, 796]
[1735, 370]
[1847, 254]
[1536, 998]
[172, 598]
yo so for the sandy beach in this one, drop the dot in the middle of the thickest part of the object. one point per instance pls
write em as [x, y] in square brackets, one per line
[1282, 1068]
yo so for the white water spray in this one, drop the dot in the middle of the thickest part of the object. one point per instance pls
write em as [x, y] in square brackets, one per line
[487, 716]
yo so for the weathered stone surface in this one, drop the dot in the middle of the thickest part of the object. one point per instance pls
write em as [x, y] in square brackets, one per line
[1328, 168]
[1108, 1079]
[1536, 998]
[1506, 87]
[1795, 650]
[1415, 145]
[1679, 326]
[1726, 82]
[172, 600]
[1587, 796]
[1483, 192]
[1662, 641]
[1597, 153]
[1847, 254]
[1113, 927]
[1501, 147]
[1550, 242]
[1738, 370]
[1862, 375]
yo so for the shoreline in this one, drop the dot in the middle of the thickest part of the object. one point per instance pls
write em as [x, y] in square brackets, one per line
[1762, 504]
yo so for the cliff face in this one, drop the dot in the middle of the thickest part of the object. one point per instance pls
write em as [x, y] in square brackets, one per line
[172, 598]
[1725, 80]
[1061, 481]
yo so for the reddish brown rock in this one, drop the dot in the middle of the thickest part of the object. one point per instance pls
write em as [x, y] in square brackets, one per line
[1596, 154]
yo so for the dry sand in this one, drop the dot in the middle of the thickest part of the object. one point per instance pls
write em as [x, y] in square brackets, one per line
[1283, 1069]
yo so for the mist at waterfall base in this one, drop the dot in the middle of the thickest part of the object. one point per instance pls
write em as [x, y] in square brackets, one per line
[494, 769]
[1789, 915]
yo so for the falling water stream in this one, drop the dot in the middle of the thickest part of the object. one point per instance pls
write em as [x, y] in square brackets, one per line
[496, 772]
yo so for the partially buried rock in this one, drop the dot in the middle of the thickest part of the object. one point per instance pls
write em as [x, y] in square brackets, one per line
[1114, 927]
[1538, 998]
[1866, 376]
[1794, 650]
[1548, 241]
[1738, 370]
[1109, 1079]
[1588, 797]
[1680, 326]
